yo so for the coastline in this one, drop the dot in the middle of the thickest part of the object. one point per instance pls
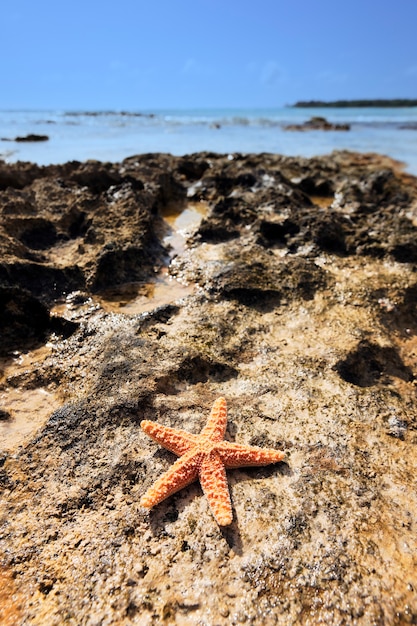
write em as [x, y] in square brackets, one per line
[113, 136]
[387, 103]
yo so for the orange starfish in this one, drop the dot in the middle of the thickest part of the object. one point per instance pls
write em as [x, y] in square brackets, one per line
[205, 456]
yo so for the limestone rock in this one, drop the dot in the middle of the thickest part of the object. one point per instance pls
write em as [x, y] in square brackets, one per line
[300, 308]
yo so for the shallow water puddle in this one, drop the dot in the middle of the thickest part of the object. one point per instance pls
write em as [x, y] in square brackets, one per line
[23, 411]
[28, 409]
[135, 298]
[322, 201]
[181, 218]
[181, 222]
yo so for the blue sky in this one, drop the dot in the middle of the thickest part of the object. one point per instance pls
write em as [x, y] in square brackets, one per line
[156, 54]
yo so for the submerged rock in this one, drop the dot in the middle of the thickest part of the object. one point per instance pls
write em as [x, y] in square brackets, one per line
[32, 137]
[300, 309]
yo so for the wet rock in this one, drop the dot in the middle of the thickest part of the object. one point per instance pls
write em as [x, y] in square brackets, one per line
[23, 319]
[32, 137]
[25, 322]
[370, 363]
[253, 277]
[300, 309]
[106, 220]
[45, 282]
[317, 123]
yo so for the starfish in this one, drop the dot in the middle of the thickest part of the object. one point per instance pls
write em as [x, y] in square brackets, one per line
[205, 456]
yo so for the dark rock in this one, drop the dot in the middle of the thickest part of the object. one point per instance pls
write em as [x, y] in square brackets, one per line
[370, 364]
[192, 167]
[20, 176]
[43, 281]
[32, 137]
[398, 308]
[255, 276]
[409, 126]
[196, 369]
[273, 233]
[316, 187]
[36, 233]
[123, 265]
[24, 321]
[317, 123]
[329, 232]
[4, 417]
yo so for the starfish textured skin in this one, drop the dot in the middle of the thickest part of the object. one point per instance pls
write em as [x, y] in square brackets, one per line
[205, 456]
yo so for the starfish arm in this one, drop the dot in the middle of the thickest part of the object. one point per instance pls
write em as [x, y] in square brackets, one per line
[237, 455]
[182, 473]
[216, 423]
[213, 481]
[177, 441]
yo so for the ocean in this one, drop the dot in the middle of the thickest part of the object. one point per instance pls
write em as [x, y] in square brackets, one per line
[113, 136]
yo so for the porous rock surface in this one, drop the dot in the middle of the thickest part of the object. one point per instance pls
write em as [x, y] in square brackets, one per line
[303, 315]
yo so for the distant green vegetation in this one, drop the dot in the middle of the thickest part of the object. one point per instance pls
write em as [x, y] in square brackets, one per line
[314, 104]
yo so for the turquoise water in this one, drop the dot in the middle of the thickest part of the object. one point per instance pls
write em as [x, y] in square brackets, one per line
[112, 136]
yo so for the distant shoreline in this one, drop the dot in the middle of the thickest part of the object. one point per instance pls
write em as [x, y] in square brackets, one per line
[344, 104]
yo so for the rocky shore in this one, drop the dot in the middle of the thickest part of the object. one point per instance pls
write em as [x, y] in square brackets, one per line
[317, 123]
[145, 290]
